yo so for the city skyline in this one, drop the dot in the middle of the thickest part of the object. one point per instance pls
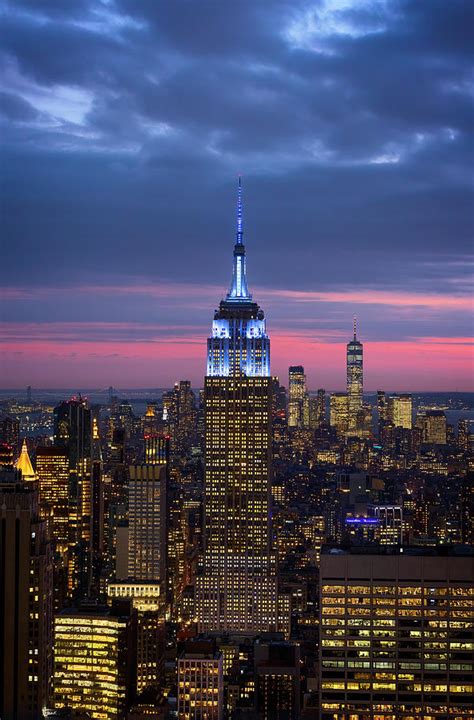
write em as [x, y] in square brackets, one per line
[118, 197]
[236, 362]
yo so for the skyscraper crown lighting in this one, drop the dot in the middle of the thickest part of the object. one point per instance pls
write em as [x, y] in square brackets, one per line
[239, 344]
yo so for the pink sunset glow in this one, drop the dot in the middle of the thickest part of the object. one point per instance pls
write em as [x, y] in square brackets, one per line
[163, 336]
[439, 364]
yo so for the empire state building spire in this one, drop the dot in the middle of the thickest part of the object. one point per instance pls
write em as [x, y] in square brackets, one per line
[239, 289]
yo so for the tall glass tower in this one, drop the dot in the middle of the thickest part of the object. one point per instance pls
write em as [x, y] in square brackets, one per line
[237, 588]
[354, 379]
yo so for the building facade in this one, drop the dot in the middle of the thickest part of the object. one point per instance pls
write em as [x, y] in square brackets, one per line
[95, 660]
[52, 472]
[396, 633]
[400, 411]
[73, 431]
[237, 588]
[298, 399]
[200, 682]
[147, 523]
[26, 602]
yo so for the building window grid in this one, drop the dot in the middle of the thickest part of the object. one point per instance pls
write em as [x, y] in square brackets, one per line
[411, 602]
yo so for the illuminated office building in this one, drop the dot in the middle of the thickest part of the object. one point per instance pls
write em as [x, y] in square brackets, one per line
[26, 601]
[400, 411]
[354, 380]
[52, 471]
[277, 680]
[432, 424]
[24, 464]
[117, 447]
[97, 507]
[466, 435]
[10, 433]
[73, 431]
[147, 499]
[185, 417]
[95, 660]
[298, 401]
[157, 448]
[237, 590]
[320, 407]
[148, 601]
[467, 509]
[6, 456]
[339, 412]
[150, 421]
[389, 529]
[200, 682]
[396, 633]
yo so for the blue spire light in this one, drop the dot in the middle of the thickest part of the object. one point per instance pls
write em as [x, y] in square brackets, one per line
[239, 289]
[239, 214]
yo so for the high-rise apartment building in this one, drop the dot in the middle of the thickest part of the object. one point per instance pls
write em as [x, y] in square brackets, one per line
[396, 633]
[354, 380]
[200, 682]
[298, 400]
[52, 471]
[147, 498]
[95, 660]
[237, 589]
[26, 601]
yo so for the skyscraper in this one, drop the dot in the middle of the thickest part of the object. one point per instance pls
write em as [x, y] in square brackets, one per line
[26, 597]
[52, 471]
[185, 417]
[339, 412]
[147, 523]
[399, 411]
[396, 633]
[433, 426]
[10, 433]
[354, 379]
[24, 464]
[95, 660]
[321, 407]
[157, 448]
[298, 401]
[73, 431]
[237, 590]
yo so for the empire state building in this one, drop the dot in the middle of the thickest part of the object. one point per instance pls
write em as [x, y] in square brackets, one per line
[237, 588]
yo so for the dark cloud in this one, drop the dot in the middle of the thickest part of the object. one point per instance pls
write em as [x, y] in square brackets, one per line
[126, 124]
[16, 109]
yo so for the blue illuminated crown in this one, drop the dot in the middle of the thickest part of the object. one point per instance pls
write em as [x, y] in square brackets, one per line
[239, 344]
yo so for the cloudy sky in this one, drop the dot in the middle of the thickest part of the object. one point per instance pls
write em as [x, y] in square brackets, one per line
[124, 126]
